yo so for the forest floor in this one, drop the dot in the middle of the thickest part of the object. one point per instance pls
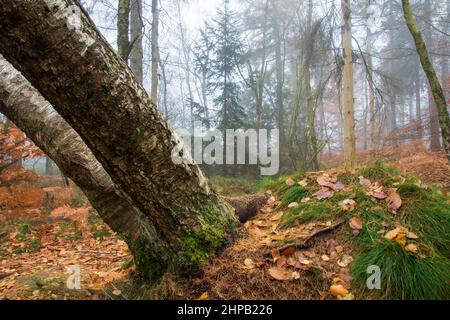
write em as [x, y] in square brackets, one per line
[313, 239]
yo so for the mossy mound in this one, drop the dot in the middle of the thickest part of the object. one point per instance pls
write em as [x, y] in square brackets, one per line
[422, 273]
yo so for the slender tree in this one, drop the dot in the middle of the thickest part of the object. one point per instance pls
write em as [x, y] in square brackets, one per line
[136, 32]
[436, 88]
[155, 50]
[349, 118]
[123, 25]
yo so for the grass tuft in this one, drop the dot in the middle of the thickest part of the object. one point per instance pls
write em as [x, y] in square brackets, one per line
[403, 276]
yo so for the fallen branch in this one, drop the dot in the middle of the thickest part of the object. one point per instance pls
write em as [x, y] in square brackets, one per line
[4, 275]
[307, 242]
[99, 252]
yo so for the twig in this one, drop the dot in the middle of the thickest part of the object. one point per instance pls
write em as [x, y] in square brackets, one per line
[4, 275]
[98, 252]
[307, 242]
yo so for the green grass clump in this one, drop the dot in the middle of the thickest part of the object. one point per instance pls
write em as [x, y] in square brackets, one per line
[293, 194]
[379, 172]
[403, 276]
[278, 185]
[425, 211]
[307, 212]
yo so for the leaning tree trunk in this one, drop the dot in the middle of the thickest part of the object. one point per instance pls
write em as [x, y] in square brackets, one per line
[22, 104]
[436, 89]
[60, 52]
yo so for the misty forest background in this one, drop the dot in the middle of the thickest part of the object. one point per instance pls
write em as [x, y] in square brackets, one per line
[279, 64]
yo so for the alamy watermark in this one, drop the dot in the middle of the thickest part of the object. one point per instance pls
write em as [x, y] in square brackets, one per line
[251, 146]
[374, 280]
[74, 278]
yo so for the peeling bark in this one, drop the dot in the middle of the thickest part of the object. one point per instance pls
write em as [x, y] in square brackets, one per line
[23, 105]
[90, 86]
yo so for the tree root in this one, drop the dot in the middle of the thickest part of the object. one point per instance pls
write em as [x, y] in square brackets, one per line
[246, 207]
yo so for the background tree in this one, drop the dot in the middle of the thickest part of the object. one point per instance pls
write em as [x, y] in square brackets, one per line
[436, 89]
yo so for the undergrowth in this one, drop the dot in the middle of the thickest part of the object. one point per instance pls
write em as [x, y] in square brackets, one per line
[424, 211]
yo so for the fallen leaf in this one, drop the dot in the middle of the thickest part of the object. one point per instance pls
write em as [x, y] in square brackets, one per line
[295, 275]
[305, 199]
[288, 251]
[379, 195]
[323, 194]
[309, 254]
[275, 253]
[304, 261]
[281, 262]
[278, 238]
[249, 263]
[331, 245]
[117, 292]
[280, 274]
[290, 182]
[271, 201]
[324, 257]
[355, 223]
[345, 261]
[365, 182]
[303, 182]
[291, 261]
[204, 296]
[325, 181]
[338, 186]
[277, 216]
[339, 249]
[411, 235]
[348, 296]
[292, 205]
[336, 280]
[347, 204]
[401, 239]
[256, 232]
[392, 233]
[338, 290]
[393, 200]
[411, 248]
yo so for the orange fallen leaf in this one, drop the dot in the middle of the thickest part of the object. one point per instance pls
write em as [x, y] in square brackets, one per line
[411, 248]
[392, 233]
[204, 296]
[393, 200]
[288, 251]
[355, 223]
[338, 290]
[276, 216]
[280, 274]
